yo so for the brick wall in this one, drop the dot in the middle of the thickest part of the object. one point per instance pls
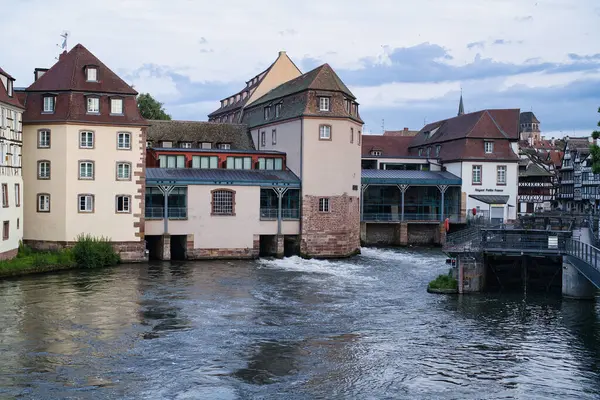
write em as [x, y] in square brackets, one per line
[140, 180]
[7, 255]
[381, 234]
[423, 234]
[330, 234]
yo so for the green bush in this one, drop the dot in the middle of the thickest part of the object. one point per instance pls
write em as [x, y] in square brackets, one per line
[92, 252]
[444, 282]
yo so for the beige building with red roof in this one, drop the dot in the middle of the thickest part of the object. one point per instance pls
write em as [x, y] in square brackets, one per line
[84, 152]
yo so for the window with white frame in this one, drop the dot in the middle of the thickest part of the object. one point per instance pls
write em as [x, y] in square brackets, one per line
[224, 146]
[124, 141]
[501, 175]
[9, 89]
[205, 162]
[86, 170]
[185, 145]
[206, 145]
[476, 174]
[277, 110]
[17, 195]
[123, 171]
[323, 103]
[270, 163]
[4, 195]
[86, 140]
[44, 169]
[274, 136]
[376, 152]
[323, 204]
[91, 74]
[85, 203]
[263, 138]
[166, 161]
[43, 202]
[49, 104]
[267, 112]
[116, 106]
[123, 204]
[351, 135]
[325, 132]
[223, 202]
[239, 163]
[93, 105]
[488, 147]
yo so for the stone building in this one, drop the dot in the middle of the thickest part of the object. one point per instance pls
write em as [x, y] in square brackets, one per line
[529, 127]
[84, 156]
[11, 178]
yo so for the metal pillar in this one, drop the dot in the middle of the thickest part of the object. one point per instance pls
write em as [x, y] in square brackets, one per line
[280, 192]
[442, 189]
[403, 189]
[363, 188]
[166, 190]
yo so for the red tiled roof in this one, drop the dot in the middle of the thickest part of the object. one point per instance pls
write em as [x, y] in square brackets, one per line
[3, 72]
[404, 132]
[390, 146]
[5, 98]
[69, 74]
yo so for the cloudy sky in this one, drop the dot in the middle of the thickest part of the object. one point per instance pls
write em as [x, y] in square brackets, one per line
[406, 61]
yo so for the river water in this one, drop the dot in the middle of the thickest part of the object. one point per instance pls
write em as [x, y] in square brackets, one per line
[363, 328]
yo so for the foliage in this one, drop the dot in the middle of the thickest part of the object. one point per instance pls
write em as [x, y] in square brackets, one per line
[28, 261]
[92, 252]
[444, 282]
[595, 150]
[151, 108]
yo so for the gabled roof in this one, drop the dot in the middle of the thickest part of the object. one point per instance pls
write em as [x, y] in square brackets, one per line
[200, 131]
[4, 97]
[404, 132]
[2, 72]
[389, 145]
[528, 117]
[579, 143]
[321, 78]
[534, 169]
[68, 74]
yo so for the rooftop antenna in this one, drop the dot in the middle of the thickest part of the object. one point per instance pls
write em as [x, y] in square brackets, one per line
[382, 125]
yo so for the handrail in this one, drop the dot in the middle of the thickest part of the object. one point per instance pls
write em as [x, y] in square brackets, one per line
[585, 252]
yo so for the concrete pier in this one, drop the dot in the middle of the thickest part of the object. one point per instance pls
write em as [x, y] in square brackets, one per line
[164, 247]
[574, 284]
[471, 275]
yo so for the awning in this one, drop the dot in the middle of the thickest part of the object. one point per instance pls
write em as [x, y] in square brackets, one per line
[490, 198]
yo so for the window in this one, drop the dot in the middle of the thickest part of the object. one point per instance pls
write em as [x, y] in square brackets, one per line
[116, 106]
[324, 132]
[92, 74]
[43, 202]
[274, 136]
[223, 202]
[359, 135]
[9, 89]
[267, 112]
[323, 103]
[277, 110]
[86, 140]
[476, 175]
[165, 161]
[4, 195]
[148, 143]
[205, 162]
[86, 170]
[437, 150]
[124, 141]
[324, 204]
[270, 163]
[49, 104]
[351, 135]
[166, 144]
[185, 145]
[123, 203]
[17, 195]
[428, 151]
[488, 147]
[224, 146]
[44, 169]
[420, 152]
[263, 138]
[85, 203]
[501, 175]
[239, 162]
[93, 105]
[347, 105]
[123, 171]
[376, 152]
[5, 230]
[206, 145]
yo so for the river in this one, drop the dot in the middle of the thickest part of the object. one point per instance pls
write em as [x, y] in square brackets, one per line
[363, 328]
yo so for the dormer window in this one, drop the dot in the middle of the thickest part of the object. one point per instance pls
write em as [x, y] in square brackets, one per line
[437, 150]
[116, 106]
[376, 152]
[277, 110]
[49, 102]
[93, 105]
[91, 74]
[420, 152]
[267, 113]
[488, 147]
[323, 103]
[347, 105]
[9, 88]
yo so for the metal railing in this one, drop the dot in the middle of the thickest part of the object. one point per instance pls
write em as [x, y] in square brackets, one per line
[397, 217]
[525, 241]
[585, 252]
[286, 213]
[159, 212]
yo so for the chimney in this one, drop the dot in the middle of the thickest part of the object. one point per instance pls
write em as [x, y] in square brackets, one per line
[38, 72]
[282, 53]
[62, 55]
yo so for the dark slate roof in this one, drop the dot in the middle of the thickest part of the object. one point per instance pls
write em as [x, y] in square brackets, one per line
[221, 177]
[216, 150]
[534, 169]
[528, 117]
[380, 176]
[201, 131]
[490, 198]
[580, 143]
[389, 145]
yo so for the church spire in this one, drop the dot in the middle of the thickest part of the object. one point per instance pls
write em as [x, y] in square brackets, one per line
[461, 107]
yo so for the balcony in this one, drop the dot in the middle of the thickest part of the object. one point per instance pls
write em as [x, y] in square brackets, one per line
[159, 213]
[286, 213]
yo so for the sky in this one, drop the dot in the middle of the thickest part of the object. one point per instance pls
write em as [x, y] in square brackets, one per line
[405, 61]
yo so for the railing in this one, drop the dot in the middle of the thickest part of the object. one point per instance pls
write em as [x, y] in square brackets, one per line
[585, 252]
[286, 213]
[526, 241]
[159, 212]
[397, 217]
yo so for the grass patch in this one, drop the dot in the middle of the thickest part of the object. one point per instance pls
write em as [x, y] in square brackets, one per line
[88, 252]
[444, 282]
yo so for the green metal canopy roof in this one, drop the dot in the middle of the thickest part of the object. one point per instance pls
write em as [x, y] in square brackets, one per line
[399, 177]
[237, 177]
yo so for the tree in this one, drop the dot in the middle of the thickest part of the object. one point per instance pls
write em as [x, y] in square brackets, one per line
[595, 150]
[151, 108]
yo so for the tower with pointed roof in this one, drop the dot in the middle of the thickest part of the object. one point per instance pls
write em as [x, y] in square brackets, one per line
[84, 156]
[11, 178]
[529, 127]
[314, 118]
[461, 107]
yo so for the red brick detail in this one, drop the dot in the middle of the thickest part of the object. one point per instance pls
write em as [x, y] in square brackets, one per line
[330, 234]
[9, 254]
[129, 251]
[141, 182]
